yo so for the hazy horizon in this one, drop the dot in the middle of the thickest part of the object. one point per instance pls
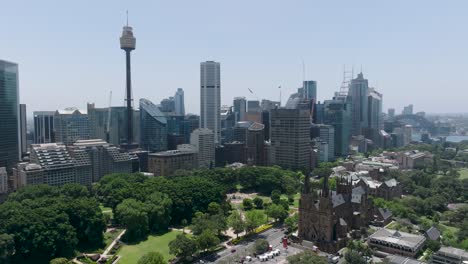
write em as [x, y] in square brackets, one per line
[68, 53]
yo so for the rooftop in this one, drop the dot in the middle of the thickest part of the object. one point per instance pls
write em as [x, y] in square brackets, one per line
[451, 251]
[398, 238]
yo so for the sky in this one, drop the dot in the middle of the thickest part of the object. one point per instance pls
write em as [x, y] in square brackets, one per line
[68, 51]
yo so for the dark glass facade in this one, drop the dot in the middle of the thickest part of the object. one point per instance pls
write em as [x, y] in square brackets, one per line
[153, 127]
[9, 114]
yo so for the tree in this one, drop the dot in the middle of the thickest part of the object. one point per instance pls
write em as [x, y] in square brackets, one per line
[254, 219]
[277, 212]
[152, 258]
[433, 245]
[214, 208]
[60, 261]
[184, 224]
[236, 222]
[353, 257]
[258, 202]
[261, 246]
[132, 214]
[158, 207]
[183, 247]
[247, 203]
[275, 196]
[207, 240]
[292, 222]
[7, 246]
[306, 257]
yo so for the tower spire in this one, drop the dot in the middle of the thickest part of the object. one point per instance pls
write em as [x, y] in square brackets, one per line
[127, 18]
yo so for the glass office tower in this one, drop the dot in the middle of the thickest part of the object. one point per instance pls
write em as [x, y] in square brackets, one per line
[9, 113]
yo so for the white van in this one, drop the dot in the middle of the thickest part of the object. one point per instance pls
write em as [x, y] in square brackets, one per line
[248, 258]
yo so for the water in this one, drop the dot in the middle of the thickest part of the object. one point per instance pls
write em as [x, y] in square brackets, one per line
[456, 139]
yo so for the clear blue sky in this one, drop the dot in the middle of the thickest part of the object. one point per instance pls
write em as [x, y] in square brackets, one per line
[68, 51]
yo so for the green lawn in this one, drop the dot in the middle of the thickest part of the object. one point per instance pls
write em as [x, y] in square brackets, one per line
[463, 174]
[132, 253]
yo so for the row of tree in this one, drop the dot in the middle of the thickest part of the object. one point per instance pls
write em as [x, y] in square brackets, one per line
[38, 223]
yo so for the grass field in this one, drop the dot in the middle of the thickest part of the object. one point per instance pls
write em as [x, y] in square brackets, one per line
[132, 253]
[463, 173]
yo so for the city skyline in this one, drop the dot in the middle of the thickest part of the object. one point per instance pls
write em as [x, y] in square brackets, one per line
[78, 47]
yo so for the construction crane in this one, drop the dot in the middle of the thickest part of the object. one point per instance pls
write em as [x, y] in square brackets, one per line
[109, 118]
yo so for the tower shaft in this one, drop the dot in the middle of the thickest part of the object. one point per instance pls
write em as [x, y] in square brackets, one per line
[129, 98]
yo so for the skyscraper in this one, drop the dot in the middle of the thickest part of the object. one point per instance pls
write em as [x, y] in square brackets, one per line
[325, 134]
[337, 113]
[407, 110]
[290, 138]
[210, 98]
[391, 113]
[9, 115]
[240, 107]
[153, 127]
[23, 129]
[44, 127]
[179, 102]
[127, 43]
[310, 90]
[374, 117]
[358, 93]
[203, 140]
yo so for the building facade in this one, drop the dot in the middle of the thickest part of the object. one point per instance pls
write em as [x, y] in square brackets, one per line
[325, 134]
[240, 108]
[179, 102]
[10, 138]
[310, 90]
[210, 98]
[397, 242]
[153, 127]
[290, 138]
[337, 113]
[204, 141]
[358, 94]
[44, 127]
[165, 163]
[71, 125]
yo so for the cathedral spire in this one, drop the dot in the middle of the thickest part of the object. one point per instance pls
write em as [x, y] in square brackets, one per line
[306, 189]
[325, 189]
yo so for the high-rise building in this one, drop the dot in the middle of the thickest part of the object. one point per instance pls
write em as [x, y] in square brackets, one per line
[374, 117]
[255, 145]
[358, 94]
[391, 113]
[71, 125]
[23, 129]
[190, 123]
[44, 127]
[290, 138]
[324, 134]
[203, 140]
[266, 121]
[240, 108]
[310, 90]
[179, 102]
[153, 129]
[268, 105]
[167, 105]
[9, 115]
[210, 98]
[253, 106]
[3, 180]
[407, 110]
[228, 121]
[127, 43]
[337, 113]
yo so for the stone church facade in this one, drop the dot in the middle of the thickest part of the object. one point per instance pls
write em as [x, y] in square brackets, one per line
[326, 218]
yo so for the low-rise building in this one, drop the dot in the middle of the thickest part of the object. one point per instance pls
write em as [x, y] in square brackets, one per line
[382, 217]
[449, 255]
[397, 242]
[414, 159]
[165, 163]
[394, 259]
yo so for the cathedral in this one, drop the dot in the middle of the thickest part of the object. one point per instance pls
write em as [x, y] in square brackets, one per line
[326, 217]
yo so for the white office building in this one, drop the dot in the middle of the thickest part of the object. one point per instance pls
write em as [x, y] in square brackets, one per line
[210, 98]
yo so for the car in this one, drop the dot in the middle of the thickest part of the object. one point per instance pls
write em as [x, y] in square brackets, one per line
[248, 258]
[233, 250]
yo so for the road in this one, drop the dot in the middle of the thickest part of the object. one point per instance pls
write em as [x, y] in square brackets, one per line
[273, 236]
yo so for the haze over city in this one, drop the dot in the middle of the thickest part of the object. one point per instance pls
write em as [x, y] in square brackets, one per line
[70, 51]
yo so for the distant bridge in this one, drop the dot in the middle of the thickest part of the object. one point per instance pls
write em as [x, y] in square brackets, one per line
[416, 121]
